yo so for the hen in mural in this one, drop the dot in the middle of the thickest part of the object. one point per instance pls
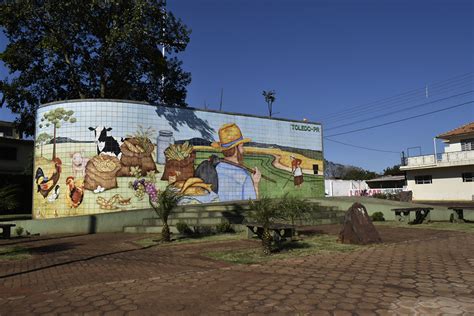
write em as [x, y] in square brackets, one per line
[74, 192]
[46, 182]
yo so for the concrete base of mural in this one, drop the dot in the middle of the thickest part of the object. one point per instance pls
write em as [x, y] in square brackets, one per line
[116, 221]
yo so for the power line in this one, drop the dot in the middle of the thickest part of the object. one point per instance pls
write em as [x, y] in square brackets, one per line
[401, 120]
[396, 103]
[362, 147]
[400, 110]
[410, 93]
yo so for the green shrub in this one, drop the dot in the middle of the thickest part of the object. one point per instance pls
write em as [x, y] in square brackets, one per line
[224, 227]
[382, 196]
[19, 230]
[377, 217]
[10, 197]
[183, 228]
[293, 208]
[202, 230]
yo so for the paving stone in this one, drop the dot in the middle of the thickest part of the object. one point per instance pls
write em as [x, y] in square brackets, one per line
[108, 273]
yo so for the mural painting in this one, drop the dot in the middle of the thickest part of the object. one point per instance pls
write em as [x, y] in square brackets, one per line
[97, 156]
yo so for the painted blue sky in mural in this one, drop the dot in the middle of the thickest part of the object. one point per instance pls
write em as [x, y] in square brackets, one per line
[184, 123]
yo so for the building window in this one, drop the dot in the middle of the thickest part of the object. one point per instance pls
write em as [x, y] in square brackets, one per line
[467, 144]
[423, 179]
[468, 177]
[6, 131]
[7, 153]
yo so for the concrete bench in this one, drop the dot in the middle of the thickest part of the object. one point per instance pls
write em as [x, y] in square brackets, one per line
[458, 213]
[280, 231]
[6, 230]
[422, 214]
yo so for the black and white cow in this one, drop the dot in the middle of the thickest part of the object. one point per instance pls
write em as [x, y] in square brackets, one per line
[106, 145]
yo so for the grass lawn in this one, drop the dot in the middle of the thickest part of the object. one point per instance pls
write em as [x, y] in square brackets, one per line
[460, 227]
[308, 246]
[14, 253]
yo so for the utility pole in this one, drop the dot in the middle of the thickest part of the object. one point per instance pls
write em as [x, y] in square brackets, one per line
[222, 96]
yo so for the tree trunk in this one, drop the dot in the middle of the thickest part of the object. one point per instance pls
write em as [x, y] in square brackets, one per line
[54, 143]
[165, 232]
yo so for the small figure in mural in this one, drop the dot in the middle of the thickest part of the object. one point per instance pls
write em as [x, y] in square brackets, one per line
[297, 171]
[75, 192]
[47, 181]
[79, 163]
[54, 196]
[106, 145]
[235, 181]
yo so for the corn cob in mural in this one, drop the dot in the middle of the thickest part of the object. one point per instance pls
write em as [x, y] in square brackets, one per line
[178, 152]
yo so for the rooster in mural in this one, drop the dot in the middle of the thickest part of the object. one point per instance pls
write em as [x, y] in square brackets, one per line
[74, 192]
[47, 182]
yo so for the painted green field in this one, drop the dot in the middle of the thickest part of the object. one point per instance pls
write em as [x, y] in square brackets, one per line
[313, 185]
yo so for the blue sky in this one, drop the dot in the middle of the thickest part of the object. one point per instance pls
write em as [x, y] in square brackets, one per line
[323, 57]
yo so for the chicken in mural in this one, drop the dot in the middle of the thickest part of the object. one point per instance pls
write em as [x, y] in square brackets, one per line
[113, 165]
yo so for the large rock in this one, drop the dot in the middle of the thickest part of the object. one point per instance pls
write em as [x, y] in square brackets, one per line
[358, 227]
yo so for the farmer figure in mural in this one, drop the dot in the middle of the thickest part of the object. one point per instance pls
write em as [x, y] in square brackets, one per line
[297, 171]
[235, 181]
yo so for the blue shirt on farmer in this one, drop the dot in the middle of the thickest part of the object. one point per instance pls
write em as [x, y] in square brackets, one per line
[235, 183]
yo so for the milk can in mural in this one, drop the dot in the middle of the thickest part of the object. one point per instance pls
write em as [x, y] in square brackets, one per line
[165, 139]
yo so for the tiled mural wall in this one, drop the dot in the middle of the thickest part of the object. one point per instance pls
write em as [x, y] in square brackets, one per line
[91, 156]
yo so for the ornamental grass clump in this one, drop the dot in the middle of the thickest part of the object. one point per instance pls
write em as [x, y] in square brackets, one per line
[293, 208]
[163, 202]
[265, 212]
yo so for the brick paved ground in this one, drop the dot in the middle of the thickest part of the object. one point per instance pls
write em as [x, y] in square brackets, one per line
[417, 271]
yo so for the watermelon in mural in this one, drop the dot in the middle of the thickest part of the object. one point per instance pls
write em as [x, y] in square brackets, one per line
[104, 156]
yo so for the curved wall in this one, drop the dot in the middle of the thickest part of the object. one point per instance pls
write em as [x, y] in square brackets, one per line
[87, 153]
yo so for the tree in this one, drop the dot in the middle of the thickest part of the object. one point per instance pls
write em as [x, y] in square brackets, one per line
[269, 98]
[42, 139]
[68, 49]
[392, 171]
[56, 117]
[355, 173]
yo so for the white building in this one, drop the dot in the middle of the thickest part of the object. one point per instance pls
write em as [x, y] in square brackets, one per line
[447, 176]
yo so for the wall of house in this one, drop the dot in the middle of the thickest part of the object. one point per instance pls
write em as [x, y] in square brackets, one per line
[107, 153]
[16, 156]
[334, 187]
[452, 146]
[447, 184]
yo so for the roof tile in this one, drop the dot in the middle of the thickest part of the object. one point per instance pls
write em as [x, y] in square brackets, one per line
[464, 129]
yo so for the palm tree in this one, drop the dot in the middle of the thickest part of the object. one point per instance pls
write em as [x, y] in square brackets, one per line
[269, 98]
[163, 204]
[264, 212]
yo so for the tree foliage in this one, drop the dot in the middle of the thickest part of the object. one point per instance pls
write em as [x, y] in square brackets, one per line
[55, 118]
[355, 173]
[42, 139]
[68, 49]
[270, 97]
[392, 171]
